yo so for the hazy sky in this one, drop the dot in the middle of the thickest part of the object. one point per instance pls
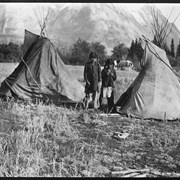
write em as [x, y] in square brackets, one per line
[165, 8]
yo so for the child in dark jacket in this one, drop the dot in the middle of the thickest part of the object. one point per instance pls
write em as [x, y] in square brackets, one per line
[92, 77]
[108, 75]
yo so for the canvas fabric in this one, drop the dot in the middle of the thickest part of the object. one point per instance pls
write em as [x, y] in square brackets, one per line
[155, 93]
[42, 75]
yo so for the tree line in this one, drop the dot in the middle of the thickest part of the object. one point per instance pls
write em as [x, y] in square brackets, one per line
[78, 53]
[172, 52]
[10, 52]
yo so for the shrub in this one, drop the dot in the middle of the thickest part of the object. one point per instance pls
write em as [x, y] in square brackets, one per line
[10, 52]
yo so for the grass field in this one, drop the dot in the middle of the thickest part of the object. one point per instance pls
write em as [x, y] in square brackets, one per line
[124, 78]
[49, 141]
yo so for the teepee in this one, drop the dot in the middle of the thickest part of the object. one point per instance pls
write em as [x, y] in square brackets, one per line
[42, 75]
[155, 93]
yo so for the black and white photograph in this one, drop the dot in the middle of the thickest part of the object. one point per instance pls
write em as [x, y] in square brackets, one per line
[89, 89]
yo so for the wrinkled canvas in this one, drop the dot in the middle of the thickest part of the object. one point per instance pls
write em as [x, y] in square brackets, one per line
[42, 75]
[155, 93]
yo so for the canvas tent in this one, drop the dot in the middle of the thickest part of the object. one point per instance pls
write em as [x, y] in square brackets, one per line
[42, 75]
[155, 93]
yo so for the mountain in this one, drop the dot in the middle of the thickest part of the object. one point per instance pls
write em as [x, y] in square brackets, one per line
[108, 23]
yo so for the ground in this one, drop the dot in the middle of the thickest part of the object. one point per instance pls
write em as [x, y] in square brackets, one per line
[40, 140]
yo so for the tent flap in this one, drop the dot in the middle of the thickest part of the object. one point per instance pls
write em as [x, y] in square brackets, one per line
[155, 93]
[42, 75]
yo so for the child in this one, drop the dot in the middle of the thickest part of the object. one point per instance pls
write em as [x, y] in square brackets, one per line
[108, 77]
[92, 77]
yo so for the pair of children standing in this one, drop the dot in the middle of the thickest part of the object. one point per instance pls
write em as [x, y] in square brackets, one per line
[99, 88]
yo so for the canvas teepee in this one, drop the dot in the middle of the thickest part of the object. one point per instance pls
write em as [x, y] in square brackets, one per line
[155, 93]
[42, 75]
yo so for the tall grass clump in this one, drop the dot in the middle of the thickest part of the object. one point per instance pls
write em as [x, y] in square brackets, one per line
[44, 141]
[37, 140]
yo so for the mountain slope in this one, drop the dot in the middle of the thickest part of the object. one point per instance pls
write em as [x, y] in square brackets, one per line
[109, 23]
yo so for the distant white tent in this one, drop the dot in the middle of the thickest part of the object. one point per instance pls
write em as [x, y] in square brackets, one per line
[125, 64]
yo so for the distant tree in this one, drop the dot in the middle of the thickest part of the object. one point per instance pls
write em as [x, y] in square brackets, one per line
[131, 50]
[10, 52]
[119, 51]
[178, 50]
[100, 50]
[136, 62]
[136, 53]
[80, 52]
[135, 48]
[173, 61]
[172, 48]
[166, 48]
[138, 49]
[136, 44]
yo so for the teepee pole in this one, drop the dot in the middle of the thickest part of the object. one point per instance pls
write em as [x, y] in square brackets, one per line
[42, 18]
[157, 55]
[161, 32]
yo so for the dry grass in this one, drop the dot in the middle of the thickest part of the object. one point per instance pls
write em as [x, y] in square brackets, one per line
[49, 141]
[39, 140]
[6, 69]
